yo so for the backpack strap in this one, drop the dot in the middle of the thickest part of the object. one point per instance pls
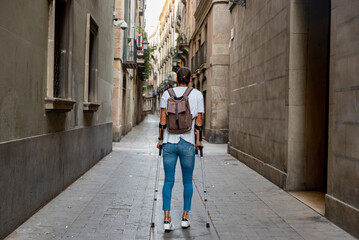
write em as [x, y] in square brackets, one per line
[188, 91]
[171, 92]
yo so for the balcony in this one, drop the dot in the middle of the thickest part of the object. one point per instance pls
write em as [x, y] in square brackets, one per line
[183, 46]
[140, 57]
[179, 15]
[202, 55]
[129, 53]
[149, 104]
[193, 67]
[198, 61]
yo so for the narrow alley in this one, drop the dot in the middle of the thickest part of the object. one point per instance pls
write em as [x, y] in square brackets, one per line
[274, 91]
[113, 200]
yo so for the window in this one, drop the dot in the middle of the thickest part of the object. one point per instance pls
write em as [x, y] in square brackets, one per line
[91, 66]
[61, 50]
[59, 57]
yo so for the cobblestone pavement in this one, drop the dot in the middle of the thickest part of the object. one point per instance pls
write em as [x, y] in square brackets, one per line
[113, 200]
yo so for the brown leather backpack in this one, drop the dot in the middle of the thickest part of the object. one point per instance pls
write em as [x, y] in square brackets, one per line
[179, 117]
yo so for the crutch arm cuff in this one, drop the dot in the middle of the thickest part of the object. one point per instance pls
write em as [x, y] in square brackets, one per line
[162, 126]
[198, 127]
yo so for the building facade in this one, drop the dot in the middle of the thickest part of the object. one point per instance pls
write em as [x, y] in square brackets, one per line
[204, 30]
[292, 105]
[164, 42]
[128, 67]
[167, 45]
[151, 88]
[55, 105]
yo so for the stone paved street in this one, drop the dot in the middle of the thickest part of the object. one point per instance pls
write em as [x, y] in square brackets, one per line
[113, 200]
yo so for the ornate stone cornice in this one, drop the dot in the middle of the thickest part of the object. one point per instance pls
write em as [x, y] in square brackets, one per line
[203, 8]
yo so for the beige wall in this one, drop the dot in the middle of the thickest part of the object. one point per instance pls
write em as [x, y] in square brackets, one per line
[117, 100]
[118, 75]
[278, 91]
[342, 201]
[282, 97]
[127, 93]
[213, 79]
[218, 78]
[258, 114]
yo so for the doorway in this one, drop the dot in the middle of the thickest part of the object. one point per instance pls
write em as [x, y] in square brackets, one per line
[308, 105]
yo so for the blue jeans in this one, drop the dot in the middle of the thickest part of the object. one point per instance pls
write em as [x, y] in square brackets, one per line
[171, 151]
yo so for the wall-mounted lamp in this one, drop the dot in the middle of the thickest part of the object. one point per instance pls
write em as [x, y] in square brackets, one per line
[145, 44]
[242, 3]
[176, 61]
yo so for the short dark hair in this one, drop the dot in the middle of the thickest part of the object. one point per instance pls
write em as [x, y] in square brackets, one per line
[184, 75]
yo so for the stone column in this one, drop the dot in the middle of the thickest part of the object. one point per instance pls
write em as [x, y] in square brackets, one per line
[218, 74]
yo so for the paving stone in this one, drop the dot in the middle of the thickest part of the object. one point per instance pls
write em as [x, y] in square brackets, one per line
[113, 200]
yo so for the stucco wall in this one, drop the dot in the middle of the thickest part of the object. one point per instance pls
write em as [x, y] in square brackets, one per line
[342, 200]
[42, 152]
[35, 169]
[23, 68]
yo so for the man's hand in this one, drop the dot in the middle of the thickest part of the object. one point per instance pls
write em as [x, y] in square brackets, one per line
[158, 145]
[197, 145]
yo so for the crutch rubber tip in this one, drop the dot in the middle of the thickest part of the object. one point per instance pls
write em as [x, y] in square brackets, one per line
[155, 199]
[152, 225]
[207, 225]
[156, 191]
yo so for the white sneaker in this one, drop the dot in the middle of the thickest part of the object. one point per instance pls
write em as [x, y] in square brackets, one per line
[185, 223]
[168, 226]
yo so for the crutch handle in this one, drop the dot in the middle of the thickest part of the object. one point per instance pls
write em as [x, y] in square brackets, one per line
[200, 128]
[162, 127]
[160, 148]
[201, 150]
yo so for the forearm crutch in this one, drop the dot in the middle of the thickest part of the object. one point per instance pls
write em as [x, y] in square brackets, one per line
[203, 175]
[162, 127]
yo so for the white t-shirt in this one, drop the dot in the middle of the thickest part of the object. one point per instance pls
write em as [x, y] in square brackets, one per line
[195, 100]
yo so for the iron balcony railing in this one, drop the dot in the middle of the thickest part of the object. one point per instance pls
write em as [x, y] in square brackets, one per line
[199, 58]
[192, 65]
[196, 66]
[130, 53]
[202, 54]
